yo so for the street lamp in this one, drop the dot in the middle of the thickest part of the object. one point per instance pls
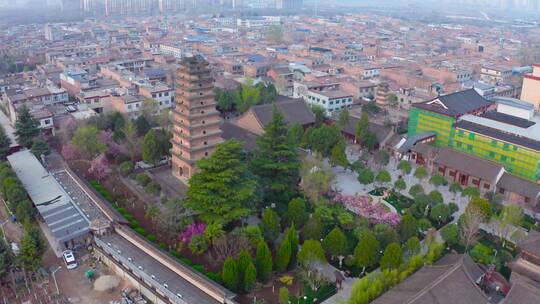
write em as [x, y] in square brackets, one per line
[54, 278]
[4, 232]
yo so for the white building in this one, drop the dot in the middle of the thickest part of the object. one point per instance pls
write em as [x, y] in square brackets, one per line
[331, 101]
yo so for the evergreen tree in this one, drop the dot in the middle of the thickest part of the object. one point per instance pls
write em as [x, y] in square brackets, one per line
[362, 129]
[291, 236]
[405, 167]
[250, 276]
[86, 141]
[26, 127]
[338, 156]
[142, 125]
[242, 263]
[263, 261]
[366, 176]
[313, 229]
[295, 133]
[39, 148]
[270, 225]
[276, 161]
[150, 148]
[32, 248]
[400, 184]
[296, 212]
[392, 257]
[5, 142]
[335, 243]
[223, 189]
[343, 119]
[229, 274]
[408, 227]
[384, 177]
[366, 253]
[283, 256]
[311, 251]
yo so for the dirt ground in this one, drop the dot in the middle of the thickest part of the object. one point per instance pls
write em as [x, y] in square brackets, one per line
[74, 285]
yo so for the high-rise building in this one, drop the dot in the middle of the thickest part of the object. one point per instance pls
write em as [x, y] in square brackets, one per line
[196, 122]
[51, 32]
[289, 4]
[531, 87]
[126, 7]
[167, 6]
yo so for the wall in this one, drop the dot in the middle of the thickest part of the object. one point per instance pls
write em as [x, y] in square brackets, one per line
[421, 121]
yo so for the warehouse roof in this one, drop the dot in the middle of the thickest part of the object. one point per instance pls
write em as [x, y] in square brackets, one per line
[65, 220]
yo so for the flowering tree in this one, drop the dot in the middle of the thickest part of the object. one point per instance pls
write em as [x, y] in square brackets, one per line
[105, 137]
[99, 167]
[192, 230]
[69, 152]
[362, 206]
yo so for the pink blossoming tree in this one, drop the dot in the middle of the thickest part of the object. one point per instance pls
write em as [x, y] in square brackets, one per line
[192, 230]
[99, 167]
[361, 205]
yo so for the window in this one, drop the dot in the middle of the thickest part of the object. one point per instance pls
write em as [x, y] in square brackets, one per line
[471, 136]
[47, 121]
[493, 142]
[160, 94]
[166, 93]
[459, 144]
[506, 146]
[153, 95]
[527, 200]
[205, 143]
[503, 157]
[469, 147]
[487, 186]
[501, 190]
[460, 133]
[492, 154]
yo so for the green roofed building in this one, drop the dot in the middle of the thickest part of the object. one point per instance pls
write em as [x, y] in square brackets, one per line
[505, 131]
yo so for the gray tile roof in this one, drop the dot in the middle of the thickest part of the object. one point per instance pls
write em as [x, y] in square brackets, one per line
[456, 104]
[469, 164]
[232, 131]
[294, 110]
[513, 183]
[521, 293]
[451, 280]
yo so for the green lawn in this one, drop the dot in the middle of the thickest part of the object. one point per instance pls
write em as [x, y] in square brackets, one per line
[312, 297]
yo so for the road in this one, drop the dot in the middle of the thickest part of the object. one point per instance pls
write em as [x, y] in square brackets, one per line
[6, 123]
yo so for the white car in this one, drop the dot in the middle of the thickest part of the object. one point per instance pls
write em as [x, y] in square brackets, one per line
[69, 259]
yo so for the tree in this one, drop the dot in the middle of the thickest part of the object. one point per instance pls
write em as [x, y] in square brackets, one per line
[152, 212]
[5, 143]
[470, 192]
[225, 100]
[385, 234]
[320, 115]
[420, 173]
[213, 232]
[323, 139]
[263, 261]
[39, 148]
[412, 247]
[142, 125]
[248, 96]
[223, 189]
[316, 178]
[362, 129]
[435, 197]
[296, 212]
[371, 141]
[99, 167]
[150, 148]
[292, 237]
[26, 127]
[384, 177]
[455, 188]
[295, 133]
[481, 205]
[437, 180]
[250, 276]
[343, 119]
[400, 184]
[392, 257]
[311, 251]
[408, 227]
[268, 93]
[283, 256]
[440, 213]
[366, 253]
[85, 140]
[270, 225]
[275, 160]
[284, 295]
[131, 139]
[510, 217]
[338, 156]
[31, 248]
[382, 158]
[366, 176]
[229, 274]
[335, 243]
[149, 109]
[450, 234]
[313, 229]
[405, 167]
[416, 190]
[469, 225]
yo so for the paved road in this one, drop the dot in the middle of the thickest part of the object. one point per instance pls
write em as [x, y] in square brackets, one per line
[5, 122]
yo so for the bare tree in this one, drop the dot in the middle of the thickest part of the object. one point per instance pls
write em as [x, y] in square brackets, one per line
[229, 246]
[469, 225]
[131, 139]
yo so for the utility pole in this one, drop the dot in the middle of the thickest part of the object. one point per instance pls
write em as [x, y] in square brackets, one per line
[54, 278]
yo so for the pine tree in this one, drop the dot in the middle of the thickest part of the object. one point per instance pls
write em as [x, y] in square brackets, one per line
[242, 263]
[366, 253]
[26, 127]
[229, 274]
[223, 189]
[283, 256]
[338, 156]
[270, 225]
[276, 161]
[362, 128]
[263, 261]
[5, 142]
[335, 243]
[392, 257]
[291, 236]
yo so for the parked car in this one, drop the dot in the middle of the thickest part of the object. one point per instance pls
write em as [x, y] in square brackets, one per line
[69, 259]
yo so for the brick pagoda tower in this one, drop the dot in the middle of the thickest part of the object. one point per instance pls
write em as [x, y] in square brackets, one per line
[196, 122]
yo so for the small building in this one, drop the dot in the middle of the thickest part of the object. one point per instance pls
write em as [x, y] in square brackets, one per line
[519, 191]
[331, 101]
[66, 223]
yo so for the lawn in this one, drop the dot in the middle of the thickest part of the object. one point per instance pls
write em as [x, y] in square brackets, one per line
[399, 201]
[489, 250]
[317, 296]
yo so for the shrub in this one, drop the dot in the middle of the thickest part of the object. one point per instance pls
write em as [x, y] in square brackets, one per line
[125, 168]
[263, 260]
[283, 295]
[250, 276]
[143, 179]
[152, 238]
[286, 280]
[198, 244]
[152, 188]
[216, 277]
[140, 230]
[230, 274]
[199, 268]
